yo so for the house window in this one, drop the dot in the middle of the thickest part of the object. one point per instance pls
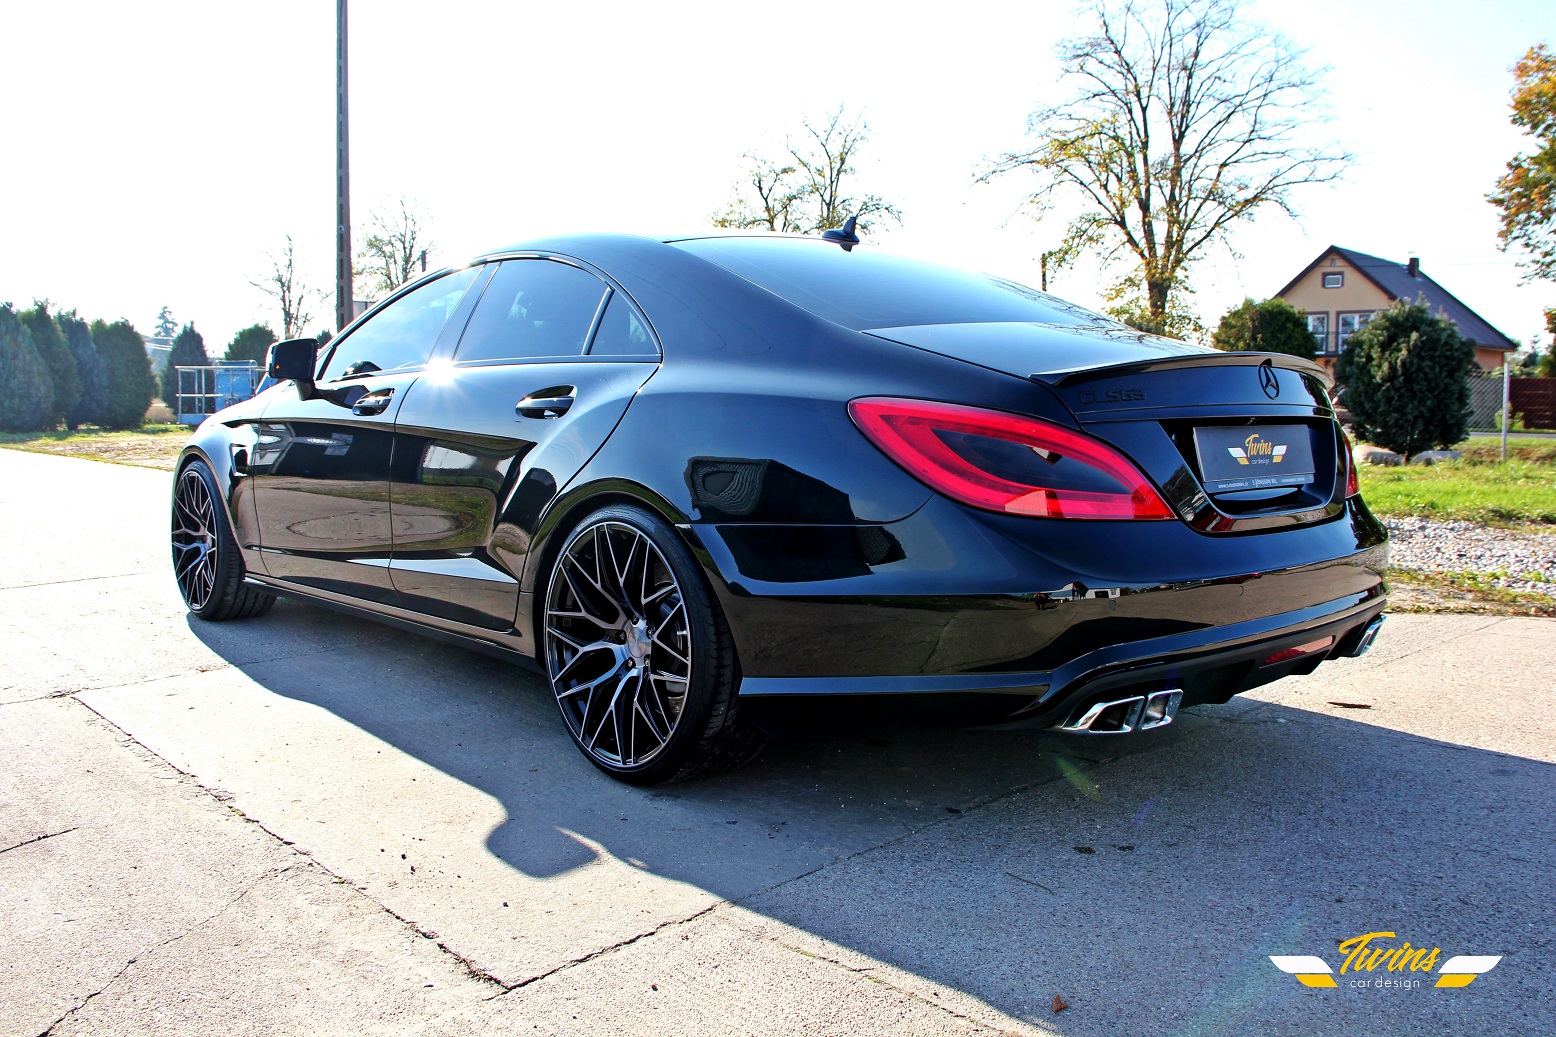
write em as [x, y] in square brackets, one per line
[1318, 327]
[1350, 323]
[1334, 280]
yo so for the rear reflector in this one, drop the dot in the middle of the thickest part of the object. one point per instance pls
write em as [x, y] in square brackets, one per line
[1285, 655]
[1352, 481]
[1008, 463]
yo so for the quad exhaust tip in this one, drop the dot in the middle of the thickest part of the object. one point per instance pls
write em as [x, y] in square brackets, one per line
[1121, 716]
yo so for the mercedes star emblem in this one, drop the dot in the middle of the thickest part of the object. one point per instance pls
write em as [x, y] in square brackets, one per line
[1267, 380]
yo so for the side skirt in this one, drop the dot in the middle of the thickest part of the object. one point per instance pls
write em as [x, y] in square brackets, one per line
[502, 646]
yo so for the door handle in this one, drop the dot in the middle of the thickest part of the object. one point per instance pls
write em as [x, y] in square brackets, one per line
[373, 403]
[547, 403]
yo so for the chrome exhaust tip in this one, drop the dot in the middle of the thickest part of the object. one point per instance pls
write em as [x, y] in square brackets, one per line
[1160, 709]
[1368, 636]
[1118, 717]
[1121, 716]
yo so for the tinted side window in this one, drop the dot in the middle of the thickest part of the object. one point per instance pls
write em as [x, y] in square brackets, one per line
[622, 332]
[532, 308]
[403, 333]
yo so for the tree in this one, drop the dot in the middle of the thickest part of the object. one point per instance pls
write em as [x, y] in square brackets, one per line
[188, 351]
[131, 383]
[393, 250]
[1526, 193]
[1406, 379]
[64, 379]
[1185, 120]
[26, 397]
[1125, 303]
[288, 289]
[252, 343]
[808, 189]
[166, 325]
[1271, 326]
[90, 367]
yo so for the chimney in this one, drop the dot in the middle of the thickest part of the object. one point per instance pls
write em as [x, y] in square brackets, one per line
[1413, 267]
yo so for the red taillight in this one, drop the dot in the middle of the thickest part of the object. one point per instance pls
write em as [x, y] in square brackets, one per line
[1009, 463]
[1352, 483]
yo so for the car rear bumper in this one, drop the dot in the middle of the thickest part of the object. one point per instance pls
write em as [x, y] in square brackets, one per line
[1063, 614]
[1206, 668]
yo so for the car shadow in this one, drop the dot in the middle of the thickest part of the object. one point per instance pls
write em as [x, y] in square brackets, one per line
[1145, 878]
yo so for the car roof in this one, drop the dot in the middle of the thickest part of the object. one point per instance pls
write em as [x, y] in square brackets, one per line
[586, 240]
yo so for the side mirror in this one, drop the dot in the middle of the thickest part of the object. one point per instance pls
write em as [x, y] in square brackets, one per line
[295, 360]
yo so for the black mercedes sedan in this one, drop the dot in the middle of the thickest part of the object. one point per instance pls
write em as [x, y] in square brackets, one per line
[681, 474]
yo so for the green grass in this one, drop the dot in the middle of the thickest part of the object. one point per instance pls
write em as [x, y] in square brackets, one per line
[150, 446]
[1486, 450]
[1414, 591]
[1477, 489]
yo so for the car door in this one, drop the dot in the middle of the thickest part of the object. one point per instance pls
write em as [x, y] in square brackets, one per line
[321, 460]
[546, 366]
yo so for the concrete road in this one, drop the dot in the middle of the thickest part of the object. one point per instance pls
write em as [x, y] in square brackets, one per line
[310, 824]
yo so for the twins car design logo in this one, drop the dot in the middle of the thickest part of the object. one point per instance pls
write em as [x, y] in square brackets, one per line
[1258, 451]
[1363, 955]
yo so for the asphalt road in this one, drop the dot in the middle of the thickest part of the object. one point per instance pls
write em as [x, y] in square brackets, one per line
[311, 824]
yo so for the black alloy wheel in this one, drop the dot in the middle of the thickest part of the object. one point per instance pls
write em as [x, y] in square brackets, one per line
[640, 658]
[206, 561]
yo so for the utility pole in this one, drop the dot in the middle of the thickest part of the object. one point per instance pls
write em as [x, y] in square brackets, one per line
[343, 307]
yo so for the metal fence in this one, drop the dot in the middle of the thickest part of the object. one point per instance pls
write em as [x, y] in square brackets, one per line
[1486, 400]
[1532, 401]
[202, 391]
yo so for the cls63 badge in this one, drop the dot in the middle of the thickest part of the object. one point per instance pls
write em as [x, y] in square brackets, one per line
[1092, 397]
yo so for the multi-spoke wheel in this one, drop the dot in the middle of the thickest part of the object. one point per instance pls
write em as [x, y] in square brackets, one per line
[206, 561]
[639, 656]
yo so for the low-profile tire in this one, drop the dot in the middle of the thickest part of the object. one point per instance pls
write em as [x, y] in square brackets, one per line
[639, 654]
[206, 560]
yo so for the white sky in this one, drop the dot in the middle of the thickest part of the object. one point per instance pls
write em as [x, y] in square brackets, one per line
[156, 152]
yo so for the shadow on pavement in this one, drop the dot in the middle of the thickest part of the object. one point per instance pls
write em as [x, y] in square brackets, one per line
[1146, 887]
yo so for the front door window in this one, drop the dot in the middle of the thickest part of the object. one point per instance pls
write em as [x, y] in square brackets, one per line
[402, 334]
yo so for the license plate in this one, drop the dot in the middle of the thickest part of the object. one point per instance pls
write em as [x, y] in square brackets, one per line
[1254, 457]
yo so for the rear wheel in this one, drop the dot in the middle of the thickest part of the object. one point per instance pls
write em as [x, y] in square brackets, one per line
[206, 561]
[639, 654]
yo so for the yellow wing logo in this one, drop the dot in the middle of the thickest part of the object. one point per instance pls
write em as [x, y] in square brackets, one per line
[1363, 956]
[1259, 449]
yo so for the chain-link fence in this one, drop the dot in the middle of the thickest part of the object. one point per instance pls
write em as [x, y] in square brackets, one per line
[1486, 400]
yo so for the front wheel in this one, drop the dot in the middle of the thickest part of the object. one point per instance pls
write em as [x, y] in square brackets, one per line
[206, 561]
[640, 657]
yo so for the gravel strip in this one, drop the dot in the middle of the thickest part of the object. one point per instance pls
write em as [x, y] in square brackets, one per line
[1516, 560]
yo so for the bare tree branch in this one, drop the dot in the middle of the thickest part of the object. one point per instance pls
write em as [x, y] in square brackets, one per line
[808, 190]
[1185, 121]
[391, 249]
[287, 288]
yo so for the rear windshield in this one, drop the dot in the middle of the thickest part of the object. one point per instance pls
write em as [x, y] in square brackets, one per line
[865, 289]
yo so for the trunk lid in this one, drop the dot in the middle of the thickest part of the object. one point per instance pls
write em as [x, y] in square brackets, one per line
[1102, 367]
[1164, 402]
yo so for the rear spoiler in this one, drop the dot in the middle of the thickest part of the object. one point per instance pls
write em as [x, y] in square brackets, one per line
[1173, 363]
